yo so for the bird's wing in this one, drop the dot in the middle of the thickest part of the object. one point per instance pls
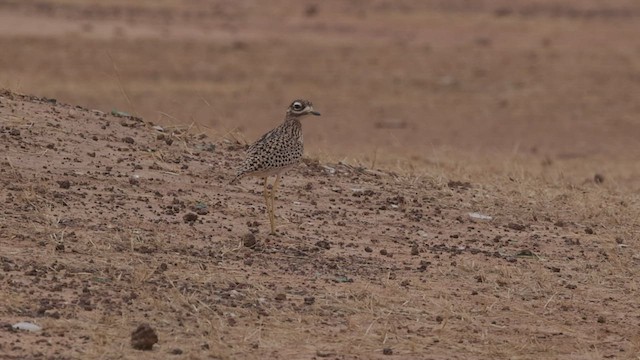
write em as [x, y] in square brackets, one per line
[261, 143]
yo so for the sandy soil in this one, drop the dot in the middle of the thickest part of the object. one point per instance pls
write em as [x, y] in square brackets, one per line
[432, 110]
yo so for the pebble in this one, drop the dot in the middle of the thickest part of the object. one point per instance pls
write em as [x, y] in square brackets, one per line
[27, 326]
[143, 337]
[478, 216]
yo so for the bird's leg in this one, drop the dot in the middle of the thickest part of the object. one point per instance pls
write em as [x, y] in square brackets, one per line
[268, 199]
[275, 185]
[273, 201]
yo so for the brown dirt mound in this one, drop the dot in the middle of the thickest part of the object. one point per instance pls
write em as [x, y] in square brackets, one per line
[109, 222]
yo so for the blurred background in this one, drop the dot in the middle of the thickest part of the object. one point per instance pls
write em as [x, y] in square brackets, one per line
[554, 79]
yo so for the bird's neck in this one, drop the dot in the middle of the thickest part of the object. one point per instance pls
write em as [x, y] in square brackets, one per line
[292, 120]
[293, 127]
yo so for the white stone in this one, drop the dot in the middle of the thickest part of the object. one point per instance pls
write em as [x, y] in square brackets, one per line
[478, 216]
[27, 326]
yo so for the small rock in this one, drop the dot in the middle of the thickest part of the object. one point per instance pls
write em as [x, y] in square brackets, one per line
[64, 184]
[424, 264]
[518, 227]
[190, 218]
[128, 140]
[134, 180]
[323, 244]
[368, 249]
[601, 319]
[572, 241]
[201, 209]
[281, 297]
[384, 252]
[119, 113]
[26, 326]
[525, 252]
[143, 337]
[415, 250]
[325, 354]
[589, 231]
[598, 178]
[309, 300]
[249, 240]
[329, 170]
[439, 319]
[387, 351]
[342, 279]
[176, 352]
[478, 216]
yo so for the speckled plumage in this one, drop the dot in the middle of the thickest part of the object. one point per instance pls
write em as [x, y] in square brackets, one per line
[277, 151]
[280, 148]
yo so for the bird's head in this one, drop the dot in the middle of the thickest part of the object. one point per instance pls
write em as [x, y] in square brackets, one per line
[300, 108]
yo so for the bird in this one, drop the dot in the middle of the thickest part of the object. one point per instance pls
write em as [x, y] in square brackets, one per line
[275, 152]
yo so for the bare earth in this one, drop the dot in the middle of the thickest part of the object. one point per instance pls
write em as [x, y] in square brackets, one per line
[524, 111]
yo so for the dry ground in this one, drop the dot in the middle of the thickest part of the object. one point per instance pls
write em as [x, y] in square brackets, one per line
[431, 110]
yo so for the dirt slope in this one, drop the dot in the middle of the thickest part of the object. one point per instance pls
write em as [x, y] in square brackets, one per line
[109, 222]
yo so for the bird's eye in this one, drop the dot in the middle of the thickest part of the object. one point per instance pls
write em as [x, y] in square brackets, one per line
[297, 106]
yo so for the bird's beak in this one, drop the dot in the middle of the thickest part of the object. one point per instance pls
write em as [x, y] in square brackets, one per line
[313, 112]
